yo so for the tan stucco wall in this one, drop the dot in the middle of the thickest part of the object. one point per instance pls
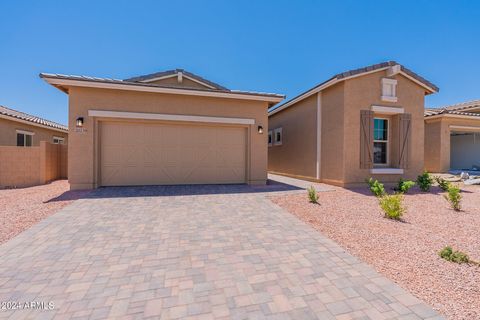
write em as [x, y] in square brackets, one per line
[83, 164]
[297, 154]
[8, 133]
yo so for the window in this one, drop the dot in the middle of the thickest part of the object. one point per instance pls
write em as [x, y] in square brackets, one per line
[380, 141]
[278, 137]
[270, 138]
[24, 138]
[58, 140]
[389, 90]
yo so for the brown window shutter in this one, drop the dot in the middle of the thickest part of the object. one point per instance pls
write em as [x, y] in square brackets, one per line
[405, 135]
[366, 139]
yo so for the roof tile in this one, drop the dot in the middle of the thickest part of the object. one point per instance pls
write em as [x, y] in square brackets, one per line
[14, 114]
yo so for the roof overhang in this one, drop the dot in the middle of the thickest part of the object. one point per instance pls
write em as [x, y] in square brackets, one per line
[30, 123]
[449, 115]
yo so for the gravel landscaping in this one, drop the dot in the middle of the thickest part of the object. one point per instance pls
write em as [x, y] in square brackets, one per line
[407, 251]
[22, 208]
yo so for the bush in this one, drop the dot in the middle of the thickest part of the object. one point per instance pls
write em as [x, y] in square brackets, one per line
[442, 183]
[454, 256]
[312, 194]
[404, 185]
[376, 187]
[425, 181]
[453, 196]
[392, 206]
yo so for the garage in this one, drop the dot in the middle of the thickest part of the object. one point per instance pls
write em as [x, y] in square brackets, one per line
[142, 153]
[464, 150]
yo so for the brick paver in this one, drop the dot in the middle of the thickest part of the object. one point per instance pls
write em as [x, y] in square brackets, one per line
[191, 252]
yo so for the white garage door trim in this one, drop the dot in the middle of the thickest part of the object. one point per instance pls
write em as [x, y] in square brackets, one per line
[168, 117]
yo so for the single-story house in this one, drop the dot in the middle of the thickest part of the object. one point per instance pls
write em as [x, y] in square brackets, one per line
[171, 127]
[362, 123]
[452, 137]
[24, 130]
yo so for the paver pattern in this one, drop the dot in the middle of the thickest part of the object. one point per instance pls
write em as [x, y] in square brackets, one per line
[198, 252]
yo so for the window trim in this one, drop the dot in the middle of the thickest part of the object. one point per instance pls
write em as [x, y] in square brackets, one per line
[62, 139]
[270, 138]
[393, 84]
[275, 131]
[25, 133]
[387, 142]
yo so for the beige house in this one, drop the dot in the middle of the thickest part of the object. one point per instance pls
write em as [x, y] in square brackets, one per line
[24, 130]
[452, 137]
[170, 127]
[363, 123]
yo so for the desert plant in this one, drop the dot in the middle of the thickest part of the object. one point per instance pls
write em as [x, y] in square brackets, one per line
[404, 185]
[442, 183]
[312, 194]
[376, 187]
[424, 181]
[454, 256]
[392, 206]
[454, 197]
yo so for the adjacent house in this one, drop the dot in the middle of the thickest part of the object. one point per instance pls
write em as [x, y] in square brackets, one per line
[452, 137]
[24, 130]
[362, 123]
[171, 127]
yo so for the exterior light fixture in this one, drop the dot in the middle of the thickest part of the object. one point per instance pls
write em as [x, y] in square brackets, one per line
[79, 122]
[260, 129]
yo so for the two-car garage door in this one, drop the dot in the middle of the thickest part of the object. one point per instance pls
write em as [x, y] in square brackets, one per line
[147, 153]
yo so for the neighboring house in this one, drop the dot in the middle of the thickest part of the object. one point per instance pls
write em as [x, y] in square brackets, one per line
[24, 130]
[170, 127]
[452, 137]
[358, 124]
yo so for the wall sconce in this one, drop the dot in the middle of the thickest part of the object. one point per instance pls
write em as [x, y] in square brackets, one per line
[79, 122]
[260, 129]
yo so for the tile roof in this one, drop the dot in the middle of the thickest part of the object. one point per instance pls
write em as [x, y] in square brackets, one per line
[17, 115]
[457, 109]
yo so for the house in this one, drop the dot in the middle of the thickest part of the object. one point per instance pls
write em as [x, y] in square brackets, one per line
[452, 137]
[358, 124]
[171, 127]
[24, 130]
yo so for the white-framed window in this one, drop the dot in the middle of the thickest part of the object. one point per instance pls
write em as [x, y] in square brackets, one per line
[58, 140]
[277, 137]
[24, 138]
[270, 138]
[380, 141]
[389, 90]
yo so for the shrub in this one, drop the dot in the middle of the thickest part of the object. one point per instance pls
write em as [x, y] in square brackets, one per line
[442, 183]
[392, 206]
[425, 181]
[453, 196]
[376, 187]
[404, 185]
[454, 256]
[312, 194]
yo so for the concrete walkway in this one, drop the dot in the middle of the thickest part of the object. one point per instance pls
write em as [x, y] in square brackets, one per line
[197, 252]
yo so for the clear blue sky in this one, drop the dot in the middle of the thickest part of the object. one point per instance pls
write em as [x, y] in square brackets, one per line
[274, 46]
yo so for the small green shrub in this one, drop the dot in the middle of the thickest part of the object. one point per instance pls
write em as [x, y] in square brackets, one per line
[392, 206]
[376, 187]
[454, 197]
[442, 183]
[404, 185]
[424, 181]
[454, 256]
[312, 194]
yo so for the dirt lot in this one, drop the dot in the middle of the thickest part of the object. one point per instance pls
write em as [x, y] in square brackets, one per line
[22, 208]
[406, 252]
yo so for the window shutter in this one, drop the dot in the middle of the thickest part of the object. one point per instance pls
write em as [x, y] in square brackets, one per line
[366, 139]
[405, 133]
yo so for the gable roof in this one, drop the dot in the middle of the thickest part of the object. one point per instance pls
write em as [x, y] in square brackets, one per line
[458, 110]
[395, 67]
[173, 73]
[18, 116]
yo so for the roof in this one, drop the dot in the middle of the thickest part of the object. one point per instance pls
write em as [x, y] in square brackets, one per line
[459, 109]
[62, 82]
[164, 74]
[430, 87]
[15, 115]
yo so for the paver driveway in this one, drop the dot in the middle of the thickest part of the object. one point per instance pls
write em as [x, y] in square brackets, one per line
[200, 252]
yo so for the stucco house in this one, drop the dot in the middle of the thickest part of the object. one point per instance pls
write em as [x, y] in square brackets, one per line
[452, 137]
[24, 130]
[362, 123]
[171, 127]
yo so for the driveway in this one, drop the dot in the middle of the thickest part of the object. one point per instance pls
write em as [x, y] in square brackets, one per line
[199, 252]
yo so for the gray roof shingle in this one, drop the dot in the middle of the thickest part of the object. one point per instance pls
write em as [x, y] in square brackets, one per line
[17, 115]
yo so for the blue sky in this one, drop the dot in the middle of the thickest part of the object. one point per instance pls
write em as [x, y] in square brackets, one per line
[273, 46]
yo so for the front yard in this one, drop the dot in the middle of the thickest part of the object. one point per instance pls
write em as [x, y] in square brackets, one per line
[406, 252]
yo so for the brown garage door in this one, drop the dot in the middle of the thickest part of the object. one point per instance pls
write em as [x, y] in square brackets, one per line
[161, 153]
